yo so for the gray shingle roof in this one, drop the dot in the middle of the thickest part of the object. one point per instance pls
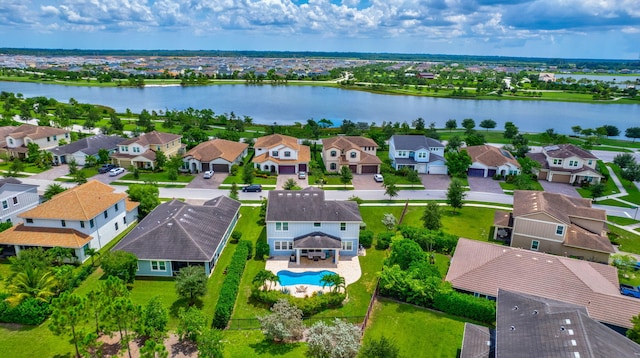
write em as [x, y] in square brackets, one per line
[181, 232]
[317, 240]
[309, 205]
[90, 145]
[415, 142]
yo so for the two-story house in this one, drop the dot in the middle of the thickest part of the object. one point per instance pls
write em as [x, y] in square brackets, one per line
[82, 148]
[217, 155]
[87, 216]
[487, 161]
[357, 153]
[141, 151]
[16, 198]
[566, 163]
[45, 137]
[281, 154]
[417, 152]
[302, 224]
[556, 224]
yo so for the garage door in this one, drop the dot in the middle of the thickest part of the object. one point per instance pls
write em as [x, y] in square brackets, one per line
[369, 169]
[473, 172]
[206, 167]
[561, 178]
[221, 168]
[542, 175]
[491, 173]
[437, 169]
[287, 169]
[353, 168]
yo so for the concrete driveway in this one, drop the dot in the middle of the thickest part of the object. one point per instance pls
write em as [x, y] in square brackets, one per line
[559, 188]
[199, 182]
[485, 185]
[106, 178]
[282, 178]
[435, 182]
[365, 182]
[53, 173]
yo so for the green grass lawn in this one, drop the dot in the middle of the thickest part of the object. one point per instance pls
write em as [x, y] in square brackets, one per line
[613, 202]
[329, 180]
[253, 344]
[610, 188]
[510, 186]
[271, 180]
[27, 167]
[409, 326]
[632, 190]
[159, 177]
[622, 221]
[628, 241]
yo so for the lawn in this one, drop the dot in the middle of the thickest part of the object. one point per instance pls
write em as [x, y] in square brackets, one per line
[510, 186]
[5, 271]
[622, 221]
[271, 180]
[27, 167]
[613, 202]
[418, 332]
[629, 242]
[253, 344]
[328, 180]
[632, 190]
[158, 177]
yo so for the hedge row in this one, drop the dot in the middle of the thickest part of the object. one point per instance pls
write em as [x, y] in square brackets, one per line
[437, 241]
[465, 305]
[30, 311]
[308, 305]
[229, 290]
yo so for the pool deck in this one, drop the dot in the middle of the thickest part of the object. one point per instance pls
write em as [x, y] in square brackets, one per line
[347, 267]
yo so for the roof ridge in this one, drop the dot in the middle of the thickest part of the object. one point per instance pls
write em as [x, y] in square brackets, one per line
[184, 229]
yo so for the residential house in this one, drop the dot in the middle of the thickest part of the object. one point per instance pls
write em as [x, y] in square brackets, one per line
[546, 77]
[217, 155]
[356, 153]
[45, 137]
[4, 132]
[304, 224]
[82, 148]
[176, 234]
[555, 223]
[141, 151]
[281, 154]
[487, 161]
[87, 216]
[16, 198]
[424, 155]
[481, 269]
[566, 163]
[529, 326]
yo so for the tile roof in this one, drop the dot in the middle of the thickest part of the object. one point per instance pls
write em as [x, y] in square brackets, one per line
[83, 202]
[309, 204]
[491, 156]
[476, 342]
[4, 132]
[566, 151]
[559, 206]
[43, 236]
[484, 268]
[304, 156]
[35, 132]
[150, 138]
[89, 145]
[217, 148]
[415, 142]
[540, 158]
[181, 232]
[272, 140]
[581, 238]
[348, 142]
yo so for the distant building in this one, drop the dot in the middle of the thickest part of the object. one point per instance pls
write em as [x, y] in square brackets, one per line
[546, 77]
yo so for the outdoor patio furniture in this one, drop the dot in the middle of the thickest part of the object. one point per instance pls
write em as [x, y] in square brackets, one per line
[301, 289]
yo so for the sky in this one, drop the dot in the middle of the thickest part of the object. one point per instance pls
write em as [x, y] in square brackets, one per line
[598, 29]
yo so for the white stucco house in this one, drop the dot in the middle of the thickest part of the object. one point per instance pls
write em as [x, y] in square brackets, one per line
[424, 155]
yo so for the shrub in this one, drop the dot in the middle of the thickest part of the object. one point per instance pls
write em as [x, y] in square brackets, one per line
[308, 305]
[229, 290]
[366, 238]
[234, 170]
[383, 241]
[30, 311]
[249, 248]
[235, 237]
[262, 248]
[464, 305]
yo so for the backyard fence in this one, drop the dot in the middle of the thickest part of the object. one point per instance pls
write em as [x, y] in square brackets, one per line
[370, 308]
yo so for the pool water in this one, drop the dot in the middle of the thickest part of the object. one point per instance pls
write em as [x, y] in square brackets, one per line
[288, 278]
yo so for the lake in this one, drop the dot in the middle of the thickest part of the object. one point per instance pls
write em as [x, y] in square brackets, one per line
[288, 104]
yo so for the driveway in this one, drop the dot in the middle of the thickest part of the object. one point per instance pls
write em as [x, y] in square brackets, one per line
[53, 173]
[365, 182]
[485, 185]
[282, 178]
[106, 178]
[559, 188]
[435, 182]
[199, 182]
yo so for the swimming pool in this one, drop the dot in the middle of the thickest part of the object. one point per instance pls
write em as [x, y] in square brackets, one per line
[288, 278]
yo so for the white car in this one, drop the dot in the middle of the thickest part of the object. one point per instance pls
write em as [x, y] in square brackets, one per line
[116, 171]
[302, 175]
[378, 178]
[208, 174]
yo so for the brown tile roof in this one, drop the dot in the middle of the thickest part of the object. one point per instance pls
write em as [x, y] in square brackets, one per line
[150, 138]
[36, 132]
[566, 151]
[484, 268]
[502, 218]
[540, 158]
[42, 236]
[130, 205]
[491, 156]
[217, 148]
[83, 202]
[348, 142]
[561, 207]
[304, 156]
[4, 132]
[581, 238]
[276, 139]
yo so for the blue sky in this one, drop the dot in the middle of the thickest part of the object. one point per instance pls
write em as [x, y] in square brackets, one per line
[533, 28]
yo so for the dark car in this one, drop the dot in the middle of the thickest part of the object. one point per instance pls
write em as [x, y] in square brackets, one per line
[254, 188]
[105, 168]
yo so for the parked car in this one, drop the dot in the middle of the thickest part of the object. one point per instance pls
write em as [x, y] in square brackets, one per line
[378, 178]
[629, 290]
[302, 175]
[116, 171]
[105, 168]
[252, 188]
[208, 174]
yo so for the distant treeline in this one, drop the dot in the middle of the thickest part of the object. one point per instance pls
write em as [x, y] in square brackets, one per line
[606, 64]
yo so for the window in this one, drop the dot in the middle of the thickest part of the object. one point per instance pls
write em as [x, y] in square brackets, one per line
[91, 223]
[573, 163]
[85, 248]
[9, 220]
[334, 153]
[15, 200]
[347, 245]
[157, 147]
[116, 207]
[560, 230]
[422, 155]
[353, 154]
[82, 224]
[333, 166]
[5, 205]
[124, 148]
[557, 162]
[116, 226]
[64, 223]
[317, 224]
[343, 226]
[66, 135]
[280, 226]
[590, 162]
[106, 214]
[283, 245]
[55, 137]
[274, 153]
[158, 266]
[48, 139]
[124, 220]
[534, 245]
[136, 149]
[29, 221]
[10, 141]
[287, 154]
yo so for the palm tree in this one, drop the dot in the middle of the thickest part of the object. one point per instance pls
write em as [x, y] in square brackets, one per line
[52, 190]
[334, 280]
[92, 253]
[273, 279]
[32, 282]
[261, 278]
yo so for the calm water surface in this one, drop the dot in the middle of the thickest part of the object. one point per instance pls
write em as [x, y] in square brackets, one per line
[289, 104]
